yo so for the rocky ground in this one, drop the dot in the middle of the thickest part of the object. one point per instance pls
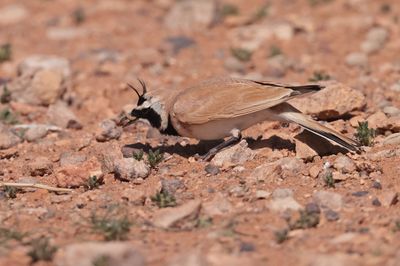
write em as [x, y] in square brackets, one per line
[281, 196]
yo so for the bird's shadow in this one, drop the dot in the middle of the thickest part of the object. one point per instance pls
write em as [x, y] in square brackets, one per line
[320, 145]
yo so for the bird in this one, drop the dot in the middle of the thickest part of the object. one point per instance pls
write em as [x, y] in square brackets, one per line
[218, 108]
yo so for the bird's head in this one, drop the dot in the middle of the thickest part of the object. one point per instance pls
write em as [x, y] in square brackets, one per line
[149, 108]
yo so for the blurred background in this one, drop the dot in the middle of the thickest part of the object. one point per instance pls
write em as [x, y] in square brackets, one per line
[171, 44]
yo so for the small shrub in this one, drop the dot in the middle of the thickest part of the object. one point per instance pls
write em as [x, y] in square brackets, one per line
[274, 51]
[328, 179]
[365, 135]
[306, 220]
[164, 199]
[115, 228]
[5, 52]
[138, 155]
[93, 182]
[42, 250]
[319, 76]
[8, 117]
[281, 235]
[10, 192]
[102, 260]
[260, 13]
[228, 10]
[154, 158]
[241, 54]
[79, 15]
[7, 234]
[5, 95]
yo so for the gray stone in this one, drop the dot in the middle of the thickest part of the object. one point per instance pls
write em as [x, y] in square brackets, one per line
[282, 200]
[169, 217]
[190, 15]
[65, 34]
[357, 59]
[7, 138]
[40, 166]
[327, 199]
[235, 155]
[71, 158]
[344, 164]
[219, 205]
[59, 114]
[99, 253]
[45, 62]
[211, 169]
[393, 139]
[12, 14]
[129, 169]
[109, 130]
[376, 39]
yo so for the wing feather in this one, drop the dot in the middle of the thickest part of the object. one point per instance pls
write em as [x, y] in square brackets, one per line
[228, 98]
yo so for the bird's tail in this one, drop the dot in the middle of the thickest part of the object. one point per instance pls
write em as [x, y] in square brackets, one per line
[313, 126]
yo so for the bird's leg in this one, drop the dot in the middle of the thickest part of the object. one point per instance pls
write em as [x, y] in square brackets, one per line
[235, 138]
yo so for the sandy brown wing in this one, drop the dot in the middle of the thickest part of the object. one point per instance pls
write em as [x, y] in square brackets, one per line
[217, 100]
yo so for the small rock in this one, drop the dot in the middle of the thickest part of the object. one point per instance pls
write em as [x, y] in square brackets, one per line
[393, 139]
[357, 59]
[281, 193]
[128, 169]
[134, 196]
[36, 132]
[253, 36]
[329, 103]
[337, 176]
[66, 33]
[237, 154]
[219, 205]
[376, 39]
[171, 185]
[40, 166]
[109, 131]
[282, 200]
[376, 185]
[314, 171]
[44, 89]
[237, 191]
[212, 169]
[71, 158]
[376, 202]
[191, 15]
[170, 217]
[179, 43]
[99, 253]
[312, 208]
[389, 198]
[12, 14]
[233, 64]
[78, 175]
[327, 199]
[383, 123]
[359, 193]
[344, 164]
[262, 194]
[391, 111]
[59, 114]
[246, 247]
[7, 138]
[35, 63]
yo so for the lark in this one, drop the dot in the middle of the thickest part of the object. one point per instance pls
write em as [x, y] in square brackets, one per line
[219, 108]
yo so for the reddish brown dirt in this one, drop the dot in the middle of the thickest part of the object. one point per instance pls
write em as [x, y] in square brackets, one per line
[129, 27]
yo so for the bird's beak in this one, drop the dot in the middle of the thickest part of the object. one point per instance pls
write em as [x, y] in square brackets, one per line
[127, 120]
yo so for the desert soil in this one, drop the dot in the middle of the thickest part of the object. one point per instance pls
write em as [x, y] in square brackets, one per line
[280, 197]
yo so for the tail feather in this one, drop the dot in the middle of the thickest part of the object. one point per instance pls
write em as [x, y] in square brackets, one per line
[321, 130]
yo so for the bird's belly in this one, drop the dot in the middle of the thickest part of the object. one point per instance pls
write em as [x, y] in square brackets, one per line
[222, 128]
